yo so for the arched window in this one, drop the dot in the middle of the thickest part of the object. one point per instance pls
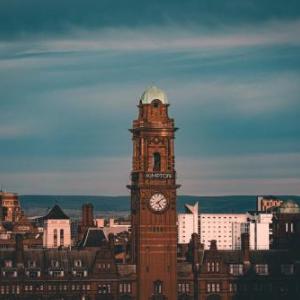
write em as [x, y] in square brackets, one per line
[55, 237]
[62, 237]
[157, 287]
[156, 162]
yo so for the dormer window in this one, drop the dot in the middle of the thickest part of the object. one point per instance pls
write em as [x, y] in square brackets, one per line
[8, 264]
[55, 264]
[213, 267]
[32, 264]
[236, 269]
[287, 269]
[261, 269]
[77, 263]
[104, 289]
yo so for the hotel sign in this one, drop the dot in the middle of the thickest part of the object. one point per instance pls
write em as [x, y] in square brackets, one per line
[158, 176]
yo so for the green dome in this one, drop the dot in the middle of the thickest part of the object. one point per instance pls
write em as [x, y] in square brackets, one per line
[153, 93]
[289, 207]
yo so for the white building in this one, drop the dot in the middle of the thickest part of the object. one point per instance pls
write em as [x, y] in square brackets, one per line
[260, 230]
[188, 223]
[226, 229]
[57, 229]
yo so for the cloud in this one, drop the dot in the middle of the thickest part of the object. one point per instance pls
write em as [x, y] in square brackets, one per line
[245, 174]
[32, 17]
[13, 131]
[166, 38]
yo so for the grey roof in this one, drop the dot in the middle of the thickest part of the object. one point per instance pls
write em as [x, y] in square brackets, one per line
[56, 213]
[93, 237]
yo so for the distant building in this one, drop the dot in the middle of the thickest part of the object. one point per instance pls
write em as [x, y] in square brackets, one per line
[260, 230]
[188, 223]
[267, 203]
[226, 229]
[10, 209]
[57, 229]
[286, 226]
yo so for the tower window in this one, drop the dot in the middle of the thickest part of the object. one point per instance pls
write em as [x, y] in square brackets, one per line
[156, 162]
[62, 237]
[156, 103]
[55, 237]
[157, 286]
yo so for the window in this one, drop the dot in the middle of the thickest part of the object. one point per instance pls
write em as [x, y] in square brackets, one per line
[125, 288]
[8, 263]
[213, 267]
[104, 289]
[77, 263]
[232, 287]
[183, 287]
[62, 238]
[236, 269]
[287, 269]
[31, 264]
[55, 237]
[213, 287]
[261, 269]
[156, 162]
[157, 287]
[55, 263]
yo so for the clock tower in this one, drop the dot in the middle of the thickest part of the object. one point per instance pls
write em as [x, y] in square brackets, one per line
[153, 198]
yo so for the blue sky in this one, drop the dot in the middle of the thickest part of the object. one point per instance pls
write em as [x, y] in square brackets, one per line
[71, 74]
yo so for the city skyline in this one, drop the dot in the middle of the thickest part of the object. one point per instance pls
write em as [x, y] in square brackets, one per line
[70, 81]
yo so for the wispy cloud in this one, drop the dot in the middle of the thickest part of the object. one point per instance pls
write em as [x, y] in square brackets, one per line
[166, 38]
[246, 174]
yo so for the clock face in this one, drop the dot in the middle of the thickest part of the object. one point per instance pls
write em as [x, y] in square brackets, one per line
[158, 202]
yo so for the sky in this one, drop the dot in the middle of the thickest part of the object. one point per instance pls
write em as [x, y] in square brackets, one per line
[72, 73]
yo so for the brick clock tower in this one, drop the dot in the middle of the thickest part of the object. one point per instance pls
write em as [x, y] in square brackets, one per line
[153, 198]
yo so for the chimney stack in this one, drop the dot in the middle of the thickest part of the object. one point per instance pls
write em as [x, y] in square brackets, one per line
[88, 215]
[245, 247]
[213, 245]
[19, 250]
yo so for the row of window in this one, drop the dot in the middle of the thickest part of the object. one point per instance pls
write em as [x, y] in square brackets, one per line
[124, 288]
[32, 264]
[260, 269]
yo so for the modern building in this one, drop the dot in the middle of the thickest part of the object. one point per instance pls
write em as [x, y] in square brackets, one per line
[226, 229]
[188, 223]
[260, 230]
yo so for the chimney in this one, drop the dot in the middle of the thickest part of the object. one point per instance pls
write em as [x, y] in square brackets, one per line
[245, 247]
[19, 250]
[111, 240]
[195, 247]
[213, 245]
[87, 215]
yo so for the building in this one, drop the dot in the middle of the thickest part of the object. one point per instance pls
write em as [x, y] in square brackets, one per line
[267, 203]
[188, 223]
[57, 229]
[244, 274]
[260, 230]
[226, 229]
[10, 209]
[153, 198]
[94, 269]
[286, 225]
